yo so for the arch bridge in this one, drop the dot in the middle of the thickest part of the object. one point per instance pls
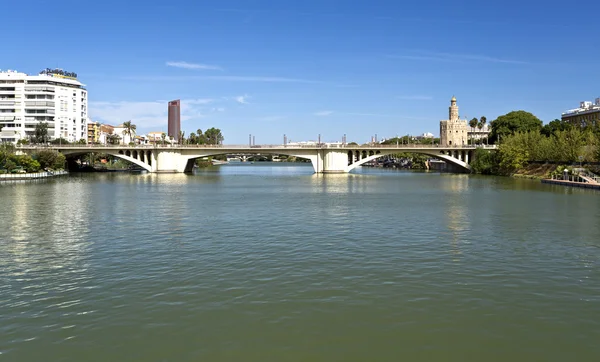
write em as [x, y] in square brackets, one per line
[324, 158]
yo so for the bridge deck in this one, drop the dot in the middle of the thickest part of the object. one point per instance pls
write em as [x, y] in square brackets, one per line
[254, 148]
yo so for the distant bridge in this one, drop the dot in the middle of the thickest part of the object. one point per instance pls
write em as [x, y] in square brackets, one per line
[324, 158]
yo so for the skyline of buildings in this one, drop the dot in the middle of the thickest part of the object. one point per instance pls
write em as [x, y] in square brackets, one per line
[53, 96]
[60, 99]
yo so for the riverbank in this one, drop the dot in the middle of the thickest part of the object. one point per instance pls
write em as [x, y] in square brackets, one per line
[536, 171]
[31, 176]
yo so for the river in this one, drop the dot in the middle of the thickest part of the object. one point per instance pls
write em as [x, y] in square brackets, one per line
[269, 262]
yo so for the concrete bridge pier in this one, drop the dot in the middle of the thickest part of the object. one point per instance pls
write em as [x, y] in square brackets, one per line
[331, 161]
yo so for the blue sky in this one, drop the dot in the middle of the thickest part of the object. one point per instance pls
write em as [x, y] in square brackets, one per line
[304, 68]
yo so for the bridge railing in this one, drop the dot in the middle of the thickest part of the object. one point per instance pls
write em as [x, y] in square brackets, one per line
[266, 146]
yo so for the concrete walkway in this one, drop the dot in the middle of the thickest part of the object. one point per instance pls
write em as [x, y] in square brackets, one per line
[586, 185]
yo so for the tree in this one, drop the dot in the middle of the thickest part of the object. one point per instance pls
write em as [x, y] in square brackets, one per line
[59, 141]
[473, 123]
[40, 134]
[50, 159]
[113, 139]
[556, 125]
[129, 129]
[6, 149]
[570, 144]
[213, 136]
[24, 161]
[484, 162]
[181, 137]
[192, 139]
[513, 122]
[481, 123]
[163, 136]
[201, 137]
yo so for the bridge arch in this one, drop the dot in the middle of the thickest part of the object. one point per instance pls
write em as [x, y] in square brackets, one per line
[119, 154]
[441, 156]
[189, 164]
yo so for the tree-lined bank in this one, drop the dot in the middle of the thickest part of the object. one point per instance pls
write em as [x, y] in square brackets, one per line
[10, 162]
[523, 140]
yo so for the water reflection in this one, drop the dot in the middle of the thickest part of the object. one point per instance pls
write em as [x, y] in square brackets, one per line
[53, 215]
[44, 259]
[456, 212]
[123, 260]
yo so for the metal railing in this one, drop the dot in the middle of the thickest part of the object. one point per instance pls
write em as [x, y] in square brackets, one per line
[570, 178]
[267, 146]
[591, 176]
[30, 176]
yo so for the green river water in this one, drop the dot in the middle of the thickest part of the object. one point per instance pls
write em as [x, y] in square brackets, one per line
[273, 263]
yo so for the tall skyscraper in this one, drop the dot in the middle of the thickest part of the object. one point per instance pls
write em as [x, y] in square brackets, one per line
[174, 119]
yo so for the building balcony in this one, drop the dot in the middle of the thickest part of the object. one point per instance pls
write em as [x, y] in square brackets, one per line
[40, 104]
[39, 90]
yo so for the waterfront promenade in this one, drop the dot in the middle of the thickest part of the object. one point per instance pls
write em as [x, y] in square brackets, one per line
[30, 176]
[573, 181]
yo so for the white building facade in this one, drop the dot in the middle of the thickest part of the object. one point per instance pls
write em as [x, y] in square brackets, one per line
[53, 96]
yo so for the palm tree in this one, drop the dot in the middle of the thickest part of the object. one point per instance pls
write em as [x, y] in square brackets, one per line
[129, 129]
[473, 123]
[200, 137]
[181, 137]
[482, 122]
[163, 136]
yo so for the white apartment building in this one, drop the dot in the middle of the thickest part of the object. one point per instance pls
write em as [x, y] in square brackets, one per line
[53, 96]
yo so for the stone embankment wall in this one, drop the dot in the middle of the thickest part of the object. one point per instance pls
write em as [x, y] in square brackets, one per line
[30, 176]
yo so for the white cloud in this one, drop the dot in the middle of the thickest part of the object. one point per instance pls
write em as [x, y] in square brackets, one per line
[415, 98]
[194, 66]
[271, 118]
[199, 101]
[453, 57]
[328, 113]
[147, 116]
[225, 78]
[242, 99]
[367, 114]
